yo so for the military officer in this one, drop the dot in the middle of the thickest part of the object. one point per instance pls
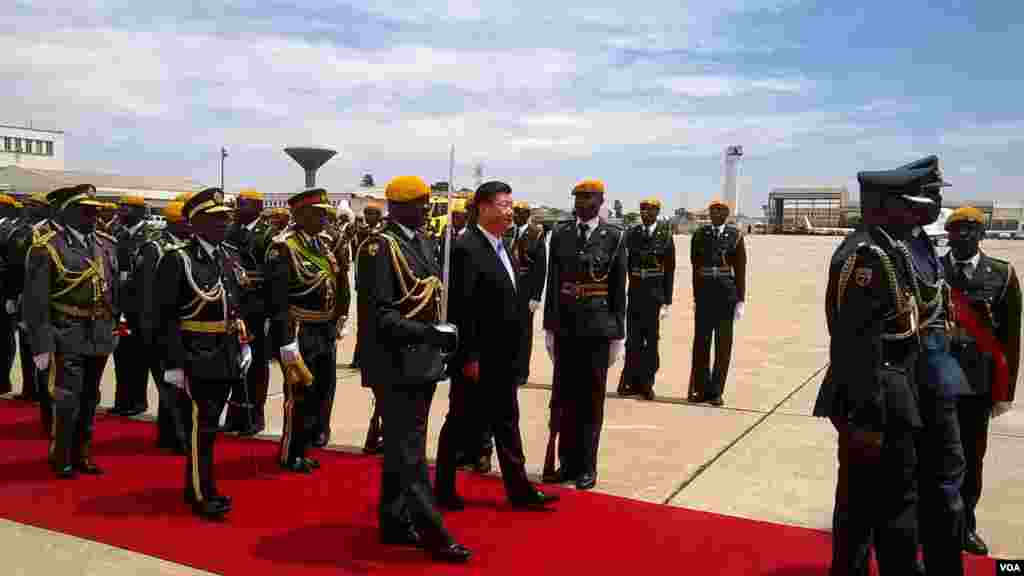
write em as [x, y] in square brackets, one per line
[130, 366]
[204, 337]
[718, 256]
[9, 216]
[70, 306]
[174, 409]
[374, 443]
[400, 278]
[248, 397]
[652, 269]
[526, 245]
[869, 388]
[985, 341]
[369, 223]
[458, 224]
[306, 309]
[584, 324]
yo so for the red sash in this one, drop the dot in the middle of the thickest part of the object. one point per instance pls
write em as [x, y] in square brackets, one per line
[985, 341]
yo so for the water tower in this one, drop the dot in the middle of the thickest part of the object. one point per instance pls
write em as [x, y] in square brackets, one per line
[730, 192]
[311, 159]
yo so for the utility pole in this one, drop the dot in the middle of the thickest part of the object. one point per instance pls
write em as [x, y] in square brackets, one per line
[223, 155]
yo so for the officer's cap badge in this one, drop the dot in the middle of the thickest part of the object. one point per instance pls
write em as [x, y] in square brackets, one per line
[862, 276]
[218, 197]
[371, 249]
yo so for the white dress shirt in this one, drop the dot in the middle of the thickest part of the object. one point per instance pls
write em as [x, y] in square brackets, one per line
[591, 225]
[971, 264]
[499, 247]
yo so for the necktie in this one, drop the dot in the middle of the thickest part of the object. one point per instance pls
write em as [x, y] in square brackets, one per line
[961, 271]
[582, 238]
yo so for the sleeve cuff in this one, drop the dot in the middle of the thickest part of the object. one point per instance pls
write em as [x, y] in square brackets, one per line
[175, 376]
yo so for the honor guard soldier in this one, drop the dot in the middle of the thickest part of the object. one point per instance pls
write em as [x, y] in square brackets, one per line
[9, 216]
[869, 389]
[457, 219]
[203, 336]
[719, 259]
[245, 238]
[584, 325]
[70, 307]
[16, 245]
[399, 276]
[985, 340]
[526, 246]
[130, 366]
[306, 309]
[174, 409]
[365, 332]
[652, 270]
[369, 223]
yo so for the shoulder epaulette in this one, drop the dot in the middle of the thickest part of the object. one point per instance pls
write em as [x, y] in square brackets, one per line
[282, 237]
[105, 236]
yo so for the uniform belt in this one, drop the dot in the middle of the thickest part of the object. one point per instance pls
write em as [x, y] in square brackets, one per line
[581, 291]
[647, 273]
[206, 326]
[307, 315]
[76, 312]
[716, 271]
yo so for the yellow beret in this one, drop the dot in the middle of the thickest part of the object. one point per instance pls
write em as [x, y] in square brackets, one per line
[250, 194]
[281, 211]
[38, 199]
[652, 202]
[718, 203]
[458, 206]
[593, 186]
[7, 200]
[172, 212]
[183, 197]
[18, 204]
[966, 214]
[520, 205]
[407, 189]
[130, 200]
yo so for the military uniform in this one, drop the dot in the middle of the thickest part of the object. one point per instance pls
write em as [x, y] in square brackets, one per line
[529, 257]
[202, 333]
[8, 319]
[652, 268]
[985, 340]
[585, 310]
[365, 344]
[130, 365]
[305, 305]
[359, 236]
[718, 256]
[70, 306]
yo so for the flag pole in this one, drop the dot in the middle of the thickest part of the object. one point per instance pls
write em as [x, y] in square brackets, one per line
[446, 271]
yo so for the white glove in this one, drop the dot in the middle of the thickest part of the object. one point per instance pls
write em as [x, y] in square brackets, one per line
[738, 315]
[245, 360]
[289, 353]
[534, 304]
[175, 378]
[549, 343]
[615, 350]
[266, 326]
[663, 313]
[1000, 408]
[42, 361]
[11, 306]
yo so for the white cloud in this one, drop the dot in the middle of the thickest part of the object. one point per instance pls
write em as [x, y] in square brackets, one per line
[709, 86]
[984, 136]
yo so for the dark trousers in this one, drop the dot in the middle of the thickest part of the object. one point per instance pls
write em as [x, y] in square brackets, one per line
[74, 384]
[525, 347]
[171, 414]
[405, 493]
[473, 406]
[131, 368]
[713, 317]
[642, 360]
[207, 402]
[325, 382]
[582, 373]
[941, 472]
[8, 348]
[249, 396]
[30, 382]
[973, 414]
[876, 501]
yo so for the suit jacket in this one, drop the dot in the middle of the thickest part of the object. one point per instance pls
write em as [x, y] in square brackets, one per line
[489, 312]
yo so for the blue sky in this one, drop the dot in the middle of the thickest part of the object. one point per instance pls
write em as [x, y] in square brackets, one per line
[643, 95]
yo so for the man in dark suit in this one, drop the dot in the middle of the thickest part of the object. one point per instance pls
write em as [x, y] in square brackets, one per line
[490, 318]
[584, 324]
[985, 340]
[399, 277]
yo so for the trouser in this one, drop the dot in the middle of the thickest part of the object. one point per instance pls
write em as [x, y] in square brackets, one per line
[131, 369]
[712, 318]
[249, 395]
[973, 414]
[325, 382]
[582, 368]
[171, 414]
[876, 501]
[8, 348]
[642, 360]
[941, 473]
[73, 383]
[405, 494]
[30, 382]
[207, 402]
[525, 347]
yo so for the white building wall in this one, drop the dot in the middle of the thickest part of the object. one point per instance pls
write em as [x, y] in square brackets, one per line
[30, 148]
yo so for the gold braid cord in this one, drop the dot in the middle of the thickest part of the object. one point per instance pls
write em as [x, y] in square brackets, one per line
[899, 299]
[416, 292]
[72, 280]
[309, 282]
[202, 297]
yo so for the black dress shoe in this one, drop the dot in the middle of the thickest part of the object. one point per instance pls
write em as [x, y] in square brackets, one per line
[536, 500]
[210, 509]
[715, 401]
[550, 477]
[320, 441]
[973, 544]
[66, 473]
[483, 465]
[694, 398]
[647, 394]
[129, 412]
[586, 481]
[626, 391]
[313, 463]
[249, 431]
[404, 536]
[564, 476]
[452, 502]
[118, 411]
[299, 466]
[453, 553]
[89, 467]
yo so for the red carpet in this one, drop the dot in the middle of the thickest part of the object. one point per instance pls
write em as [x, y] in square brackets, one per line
[325, 523]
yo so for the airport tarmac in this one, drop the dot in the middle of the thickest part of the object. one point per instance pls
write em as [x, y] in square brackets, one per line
[760, 456]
